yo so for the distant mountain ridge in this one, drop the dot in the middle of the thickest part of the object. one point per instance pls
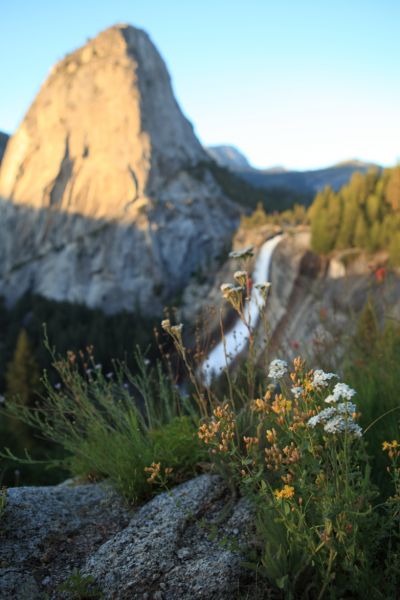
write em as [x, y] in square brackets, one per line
[306, 182]
[229, 157]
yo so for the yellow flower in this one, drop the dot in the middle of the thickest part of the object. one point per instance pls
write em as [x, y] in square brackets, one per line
[280, 405]
[249, 442]
[153, 472]
[259, 405]
[390, 445]
[392, 448]
[286, 492]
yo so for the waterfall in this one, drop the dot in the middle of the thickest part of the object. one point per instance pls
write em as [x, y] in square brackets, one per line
[237, 338]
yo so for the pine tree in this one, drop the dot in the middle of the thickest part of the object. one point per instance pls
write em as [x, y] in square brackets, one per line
[361, 231]
[350, 212]
[394, 249]
[393, 189]
[325, 216]
[373, 208]
[375, 237]
[22, 373]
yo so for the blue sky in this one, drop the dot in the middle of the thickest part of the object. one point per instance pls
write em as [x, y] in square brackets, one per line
[298, 83]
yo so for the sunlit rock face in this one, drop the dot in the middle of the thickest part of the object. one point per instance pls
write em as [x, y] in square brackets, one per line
[101, 201]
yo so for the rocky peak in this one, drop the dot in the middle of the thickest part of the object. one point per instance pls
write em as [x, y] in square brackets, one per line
[104, 163]
[106, 118]
[229, 157]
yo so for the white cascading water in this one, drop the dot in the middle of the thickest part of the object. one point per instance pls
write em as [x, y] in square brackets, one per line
[236, 339]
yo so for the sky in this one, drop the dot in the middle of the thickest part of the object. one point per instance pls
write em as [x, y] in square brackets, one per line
[303, 84]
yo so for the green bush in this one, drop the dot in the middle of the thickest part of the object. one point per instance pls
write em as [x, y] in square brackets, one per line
[113, 427]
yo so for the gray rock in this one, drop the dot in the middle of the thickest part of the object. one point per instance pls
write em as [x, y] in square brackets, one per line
[18, 584]
[168, 551]
[46, 532]
[181, 544]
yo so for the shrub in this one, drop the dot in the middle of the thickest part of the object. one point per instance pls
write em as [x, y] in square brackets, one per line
[114, 426]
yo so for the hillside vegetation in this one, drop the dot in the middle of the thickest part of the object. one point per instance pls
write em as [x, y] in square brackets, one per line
[363, 214]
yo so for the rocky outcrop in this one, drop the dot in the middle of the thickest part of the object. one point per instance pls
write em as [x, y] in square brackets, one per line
[164, 552]
[47, 532]
[101, 202]
[315, 302]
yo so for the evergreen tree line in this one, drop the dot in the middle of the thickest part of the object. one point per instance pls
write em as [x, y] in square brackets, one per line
[365, 214]
[69, 327]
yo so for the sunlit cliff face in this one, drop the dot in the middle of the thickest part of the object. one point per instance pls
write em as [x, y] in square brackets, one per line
[105, 208]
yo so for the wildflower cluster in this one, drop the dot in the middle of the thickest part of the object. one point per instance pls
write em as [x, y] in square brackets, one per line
[236, 293]
[322, 379]
[277, 369]
[393, 451]
[392, 448]
[263, 289]
[286, 493]
[156, 474]
[233, 294]
[219, 431]
[174, 330]
[301, 460]
[340, 416]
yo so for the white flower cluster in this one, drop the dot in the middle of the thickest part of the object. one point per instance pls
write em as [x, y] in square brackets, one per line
[321, 417]
[341, 390]
[297, 391]
[339, 425]
[346, 408]
[337, 419]
[277, 369]
[322, 379]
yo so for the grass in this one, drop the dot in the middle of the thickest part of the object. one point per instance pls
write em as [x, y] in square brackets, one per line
[371, 367]
[3, 501]
[114, 426]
